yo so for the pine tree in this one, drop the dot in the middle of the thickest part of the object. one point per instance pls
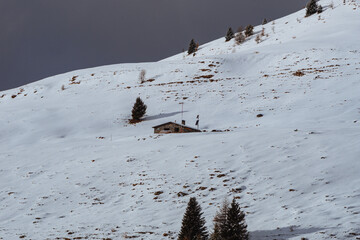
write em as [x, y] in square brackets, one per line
[220, 221]
[265, 21]
[139, 109]
[249, 30]
[229, 35]
[235, 228]
[193, 224]
[311, 8]
[192, 47]
[320, 9]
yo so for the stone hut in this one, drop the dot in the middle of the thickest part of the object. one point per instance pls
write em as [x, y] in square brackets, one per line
[171, 127]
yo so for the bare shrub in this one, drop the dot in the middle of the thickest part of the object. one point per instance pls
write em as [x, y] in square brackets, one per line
[142, 76]
[258, 39]
[240, 37]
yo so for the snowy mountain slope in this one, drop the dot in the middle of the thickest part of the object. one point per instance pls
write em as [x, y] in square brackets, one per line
[72, 167]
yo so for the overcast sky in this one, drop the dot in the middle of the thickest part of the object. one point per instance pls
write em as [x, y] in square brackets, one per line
[41, 38]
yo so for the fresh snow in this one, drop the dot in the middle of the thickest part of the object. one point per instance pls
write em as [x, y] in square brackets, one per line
[73, 168]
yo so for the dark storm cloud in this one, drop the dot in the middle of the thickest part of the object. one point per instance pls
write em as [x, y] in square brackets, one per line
[41, 38]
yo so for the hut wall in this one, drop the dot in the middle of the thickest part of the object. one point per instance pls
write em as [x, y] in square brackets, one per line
[172, 128]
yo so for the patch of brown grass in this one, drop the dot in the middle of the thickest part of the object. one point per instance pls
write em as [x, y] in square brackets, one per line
[299, 73]
[182, 194]
[135, 121]
[157, 193]
[75, 82]
[204, 76]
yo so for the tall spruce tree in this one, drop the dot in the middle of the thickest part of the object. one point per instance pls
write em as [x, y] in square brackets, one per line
[235, 227]
[192, 47]
[139, 109]
[193, 224]
[311, 8]
[229, 35]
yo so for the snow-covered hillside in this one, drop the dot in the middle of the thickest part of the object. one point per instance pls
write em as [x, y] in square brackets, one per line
[73, 168]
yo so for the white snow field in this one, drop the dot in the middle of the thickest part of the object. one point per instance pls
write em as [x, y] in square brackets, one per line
[73, 168]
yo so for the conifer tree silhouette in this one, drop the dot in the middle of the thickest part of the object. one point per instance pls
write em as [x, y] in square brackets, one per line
[192, 47]
[139, 109]
[193, 224]
[311, 8]
[229, 35]
[235, 227]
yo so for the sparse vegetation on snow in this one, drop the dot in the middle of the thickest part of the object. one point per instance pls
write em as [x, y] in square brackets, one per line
[280, 122]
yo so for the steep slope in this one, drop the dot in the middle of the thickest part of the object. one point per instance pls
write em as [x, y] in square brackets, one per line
[72, 166]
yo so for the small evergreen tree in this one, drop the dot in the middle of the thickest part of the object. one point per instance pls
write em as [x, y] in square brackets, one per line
[229, 35]
[193, 224]
[139, 109]
[249, 30]
[265, 21]
[320, 9]
[235, 228]
[192, 47]
[311, 8]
